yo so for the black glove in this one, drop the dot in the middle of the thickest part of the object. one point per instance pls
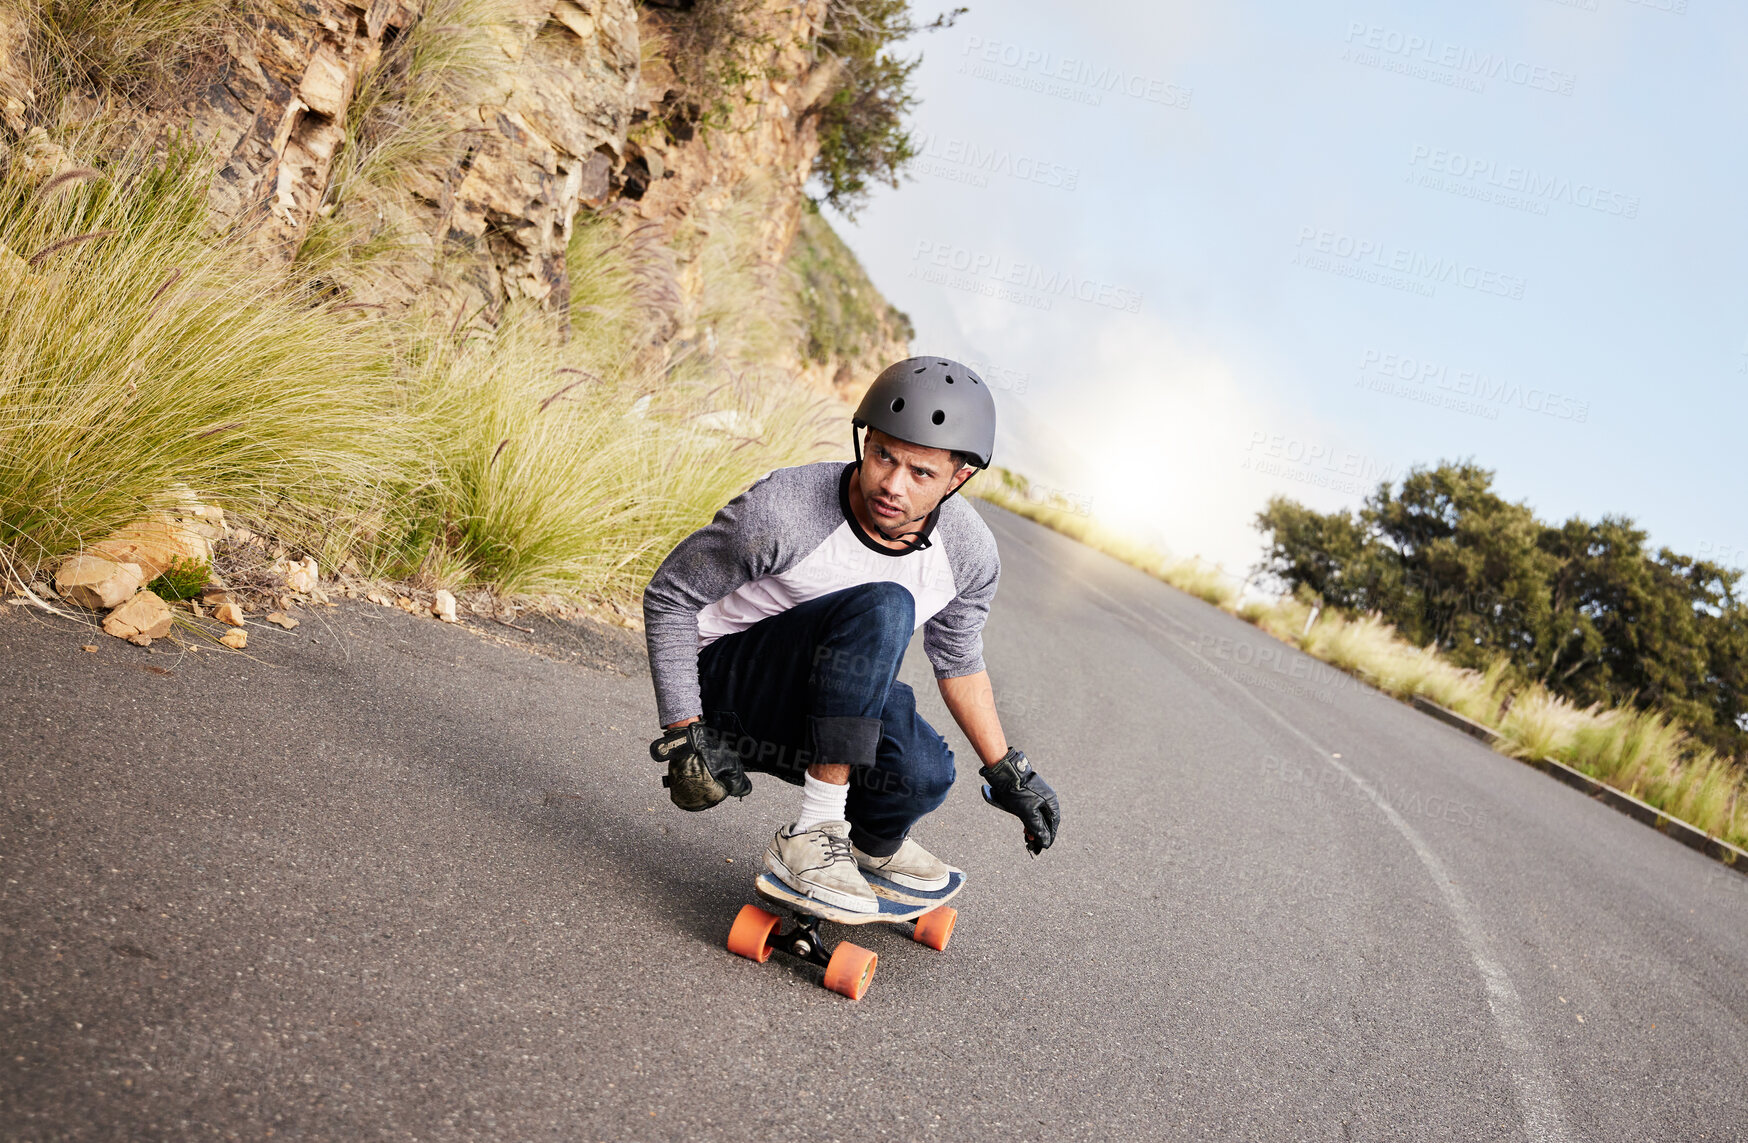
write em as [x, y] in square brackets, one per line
[1015, 787]
[702, 768]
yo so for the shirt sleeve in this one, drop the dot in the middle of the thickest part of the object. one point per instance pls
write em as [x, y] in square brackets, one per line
[738, 546]
[953, 636]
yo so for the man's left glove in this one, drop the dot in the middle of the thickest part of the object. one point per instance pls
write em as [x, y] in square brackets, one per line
[1015, 787]
[702, 769]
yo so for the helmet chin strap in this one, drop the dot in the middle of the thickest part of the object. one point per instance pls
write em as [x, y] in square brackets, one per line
[916, 542]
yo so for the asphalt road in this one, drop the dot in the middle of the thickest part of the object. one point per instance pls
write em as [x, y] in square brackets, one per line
[389, 879]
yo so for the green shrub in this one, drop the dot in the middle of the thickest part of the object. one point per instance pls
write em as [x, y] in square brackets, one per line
[845, 315]
[862, 133]
[183, 579]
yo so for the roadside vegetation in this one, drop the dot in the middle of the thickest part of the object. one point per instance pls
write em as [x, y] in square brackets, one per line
[140, 357]
[1617, 738]
[846, 318]
[145, 359]
[708, 51]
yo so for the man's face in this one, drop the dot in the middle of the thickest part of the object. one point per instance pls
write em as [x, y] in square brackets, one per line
[902, 482]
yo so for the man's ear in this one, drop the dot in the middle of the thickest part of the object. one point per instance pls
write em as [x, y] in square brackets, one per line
[964, 474]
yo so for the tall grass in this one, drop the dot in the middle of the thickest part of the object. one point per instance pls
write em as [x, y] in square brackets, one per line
[574, 465]
[140, 356]
[1644, 753]
[139, 46]
[134, 358]
[403, 132]
[550, 477]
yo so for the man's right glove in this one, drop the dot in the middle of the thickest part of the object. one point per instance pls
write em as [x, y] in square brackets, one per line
[1015, 787]
[702, 769]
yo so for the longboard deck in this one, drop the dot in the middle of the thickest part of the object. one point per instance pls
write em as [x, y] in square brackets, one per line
[928, 898]
[891, 911]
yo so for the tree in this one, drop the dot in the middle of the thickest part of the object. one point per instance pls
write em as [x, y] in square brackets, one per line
[1473, 581]
[862, 134]
[1583, 608]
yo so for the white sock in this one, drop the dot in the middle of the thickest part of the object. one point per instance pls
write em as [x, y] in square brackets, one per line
[820, 802]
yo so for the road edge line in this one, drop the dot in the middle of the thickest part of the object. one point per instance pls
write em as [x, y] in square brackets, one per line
[1639, 810]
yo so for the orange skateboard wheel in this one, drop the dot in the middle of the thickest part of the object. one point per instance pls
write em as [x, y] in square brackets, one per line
[750, 936]
[935, 927]
[850, 970]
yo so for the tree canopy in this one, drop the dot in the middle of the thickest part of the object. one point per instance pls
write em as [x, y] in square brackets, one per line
[1585, 608]
[862, 133]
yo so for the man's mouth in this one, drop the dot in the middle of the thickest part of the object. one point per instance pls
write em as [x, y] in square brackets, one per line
[885, 508]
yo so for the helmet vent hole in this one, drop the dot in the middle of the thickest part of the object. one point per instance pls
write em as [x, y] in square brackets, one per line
[898, 404]
[938, 417]
[919, 369]
[949, 378]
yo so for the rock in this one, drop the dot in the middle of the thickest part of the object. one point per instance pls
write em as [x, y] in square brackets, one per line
[408, 605]
[43, 158]
[327, 83]
[229, 613]
[154, 542]
[379, 597]
[300, 576]
[16, 96]
[443, 607]
[282, 619]
[144, 615]
[203, 520]
[89, 647]
[96, 582]
[236, 638]
[140, 640]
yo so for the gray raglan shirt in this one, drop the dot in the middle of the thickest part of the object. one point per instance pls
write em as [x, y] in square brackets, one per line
[791, 538]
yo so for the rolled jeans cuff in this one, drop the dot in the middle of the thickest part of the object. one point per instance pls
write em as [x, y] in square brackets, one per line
[842, 740]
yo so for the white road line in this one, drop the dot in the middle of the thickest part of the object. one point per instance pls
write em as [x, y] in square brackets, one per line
[1543, 1119]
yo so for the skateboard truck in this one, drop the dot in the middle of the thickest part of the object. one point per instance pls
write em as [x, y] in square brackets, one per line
[801, 941]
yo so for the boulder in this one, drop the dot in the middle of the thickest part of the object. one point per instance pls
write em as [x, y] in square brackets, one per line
[154, 542]
[443, 606]
[229, 613]
[145, 615]
[97, 582]
[236, 638]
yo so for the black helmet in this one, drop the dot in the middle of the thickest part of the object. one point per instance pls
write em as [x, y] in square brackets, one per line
[934, 402]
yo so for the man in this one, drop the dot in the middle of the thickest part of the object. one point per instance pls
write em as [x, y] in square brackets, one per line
[776, 633]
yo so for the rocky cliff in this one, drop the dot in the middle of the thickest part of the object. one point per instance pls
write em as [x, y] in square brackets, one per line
[549, 108]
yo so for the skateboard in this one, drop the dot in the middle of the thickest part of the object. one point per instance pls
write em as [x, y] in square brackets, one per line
[849, 969]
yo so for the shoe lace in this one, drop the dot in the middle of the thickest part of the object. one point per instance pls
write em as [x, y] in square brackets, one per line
[836, 848]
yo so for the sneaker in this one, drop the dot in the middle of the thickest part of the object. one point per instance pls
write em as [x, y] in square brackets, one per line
[912, 867]
[817, 864]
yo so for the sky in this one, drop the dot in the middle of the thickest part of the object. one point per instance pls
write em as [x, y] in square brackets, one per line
[1211, 253]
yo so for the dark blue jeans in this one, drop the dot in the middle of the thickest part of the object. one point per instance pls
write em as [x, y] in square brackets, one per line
[833, 662]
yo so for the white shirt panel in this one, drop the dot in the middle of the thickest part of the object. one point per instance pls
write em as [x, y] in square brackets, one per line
[843, 560]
